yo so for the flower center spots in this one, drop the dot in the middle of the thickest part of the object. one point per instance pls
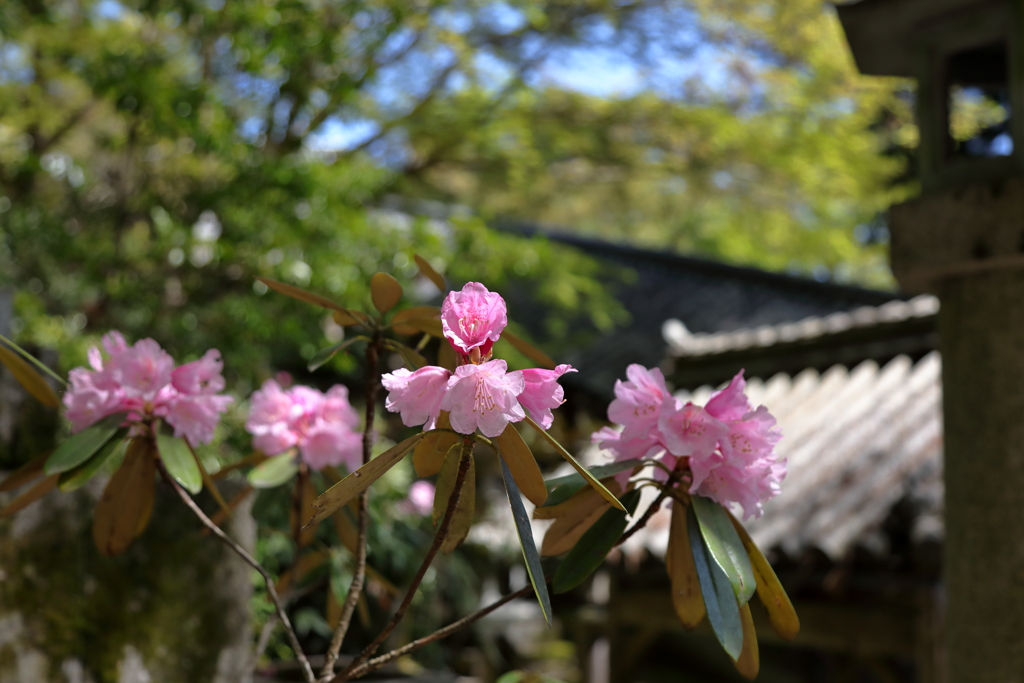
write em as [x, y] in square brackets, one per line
[471, 322]
[483, 400]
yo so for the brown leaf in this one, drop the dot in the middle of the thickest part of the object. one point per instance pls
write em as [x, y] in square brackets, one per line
[348, 316]
[127, 503]
[40, 489]
[384, 291]
[686, 595]
[29, 378]
[568, 528]
[749, 662]
[24, 474]
[427, 271]
[420, 313]
[522, 465]
[446, 356]
[529, 350]
[357, 482]
[301, 294]
[430, 452]
[462, 518]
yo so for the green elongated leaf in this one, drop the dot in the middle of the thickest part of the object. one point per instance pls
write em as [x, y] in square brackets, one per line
[725, 546]
[719, 600]
[561, 489]
[584, 472]
[590, 551]
[35, 361]
[274, 471]
[177, 458]
[525, 532]
[357, 482]
[28, 378]
[79, 447]
[73, 479]
[324, 355]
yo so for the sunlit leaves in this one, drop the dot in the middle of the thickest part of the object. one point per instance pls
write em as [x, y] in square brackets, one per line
[781, 614]
[584, 472]
[686, 596]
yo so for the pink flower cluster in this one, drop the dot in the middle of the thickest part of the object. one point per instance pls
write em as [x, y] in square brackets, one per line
[141, 380]
[730, 446]
[481, 393]
[324, 427]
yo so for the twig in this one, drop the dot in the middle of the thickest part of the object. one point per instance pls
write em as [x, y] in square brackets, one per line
[442, 533]
[307, 670]
[355, 589]
[642, 522]
[451, 628]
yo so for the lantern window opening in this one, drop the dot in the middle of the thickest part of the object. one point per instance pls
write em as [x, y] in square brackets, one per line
[978, 102]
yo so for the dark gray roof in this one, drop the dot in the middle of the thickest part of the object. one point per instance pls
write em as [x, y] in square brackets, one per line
[706, 296]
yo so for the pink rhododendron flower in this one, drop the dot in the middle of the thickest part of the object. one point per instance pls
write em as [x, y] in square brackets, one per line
[473, 318]
[141, 380]
[322, 426]
[543, 393]
[728, 446]
[484, 396]
[420, 500]
[416, 395]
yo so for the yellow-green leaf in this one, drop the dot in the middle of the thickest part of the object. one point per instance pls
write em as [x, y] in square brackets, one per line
[127, 503]
[781, 614]
[178, 460]
[686, 597]
[357, 482]
[591, 479]
[427, 271]
[28, 378]
[38, 490]
[384, 291]
[522, 465]
[529, 350]
[274, 471]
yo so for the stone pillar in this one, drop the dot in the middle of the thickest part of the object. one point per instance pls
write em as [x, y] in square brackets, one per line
[966, 246]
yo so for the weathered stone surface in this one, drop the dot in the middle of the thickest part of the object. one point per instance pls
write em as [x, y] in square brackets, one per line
[173, 608]
[982, 332]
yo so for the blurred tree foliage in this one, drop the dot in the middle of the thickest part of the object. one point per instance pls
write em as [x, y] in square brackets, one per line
[155, 155]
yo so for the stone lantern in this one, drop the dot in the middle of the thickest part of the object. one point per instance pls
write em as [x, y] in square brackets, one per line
[963, 239]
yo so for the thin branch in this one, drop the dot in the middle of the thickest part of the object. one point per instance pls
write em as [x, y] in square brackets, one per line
[264, 640]
[442, 533]
[355, 589]
[462, 623]
[642, 522]
[307, 670]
